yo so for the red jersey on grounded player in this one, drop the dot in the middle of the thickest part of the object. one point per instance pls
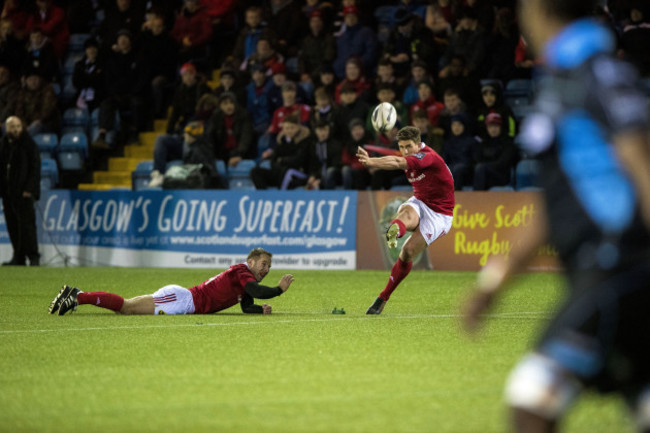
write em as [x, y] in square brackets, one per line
[222, 291]
[432, 181]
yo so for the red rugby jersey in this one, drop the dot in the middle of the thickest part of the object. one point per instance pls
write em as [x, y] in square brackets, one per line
[221, 291]
[432, 181]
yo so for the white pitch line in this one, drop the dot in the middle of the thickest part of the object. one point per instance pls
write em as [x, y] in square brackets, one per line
[517, 315]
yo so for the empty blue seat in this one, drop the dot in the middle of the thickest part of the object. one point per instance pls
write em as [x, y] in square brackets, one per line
[221, 168]
[73, 151]
[519, 87]
[76, 117]
[527, 173]
[76, 43]
[49, 174]
[141, 175]
[241, 170]
[47, 143]
[70, 61]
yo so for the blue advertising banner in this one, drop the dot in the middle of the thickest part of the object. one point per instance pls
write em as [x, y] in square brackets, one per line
[303, 229]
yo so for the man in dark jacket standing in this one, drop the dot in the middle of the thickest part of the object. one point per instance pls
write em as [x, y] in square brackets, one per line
[20, 185]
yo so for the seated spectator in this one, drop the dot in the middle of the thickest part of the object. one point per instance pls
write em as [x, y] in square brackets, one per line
[324, 157]
[323, 111]
[491, 93]
[525, 60]
[440, 24]
[454, 104]
[459, 152]
[459, 79]
[288, 158]
[636, 38]
[41, 55]
[254, 29]
[228, 83]
[386, 76]
[419, 72]
[354, 77]
[9, 89]
[230, 131]
[257, 100]
[118, 15]
[286, 20]
[12, 50]
[355, 175]
[88, 77]
[409, 40]
[427, 102]
[327, 79]
[265, 55]
[495, 156]
[468, 41]
[160, 53]
[52, 21]
[289, 106]
[317, 47]
[429, 134]
[126, 87]
[186, 98]
[186, 102]
[351, 107]
[37, 105]
[503, 40]
[192, 31]
[15, 12]
[194, 149]
[356, 40]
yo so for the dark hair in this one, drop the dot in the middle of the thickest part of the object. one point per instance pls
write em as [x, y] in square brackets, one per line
[292, 118]
[321, 123]
[257, 253]
[409, 133]
[569, 10]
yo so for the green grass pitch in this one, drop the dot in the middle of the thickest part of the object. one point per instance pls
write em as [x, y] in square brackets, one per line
[302, 369]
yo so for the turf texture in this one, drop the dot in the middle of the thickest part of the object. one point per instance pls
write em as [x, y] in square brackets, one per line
[301, 369]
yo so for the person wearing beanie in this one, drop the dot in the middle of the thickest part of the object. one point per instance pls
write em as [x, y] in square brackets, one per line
[492, 102]
[495, 156]
[458, 151]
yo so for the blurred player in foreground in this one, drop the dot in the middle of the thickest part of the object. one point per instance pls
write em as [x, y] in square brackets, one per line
[428, 214]
[590, 131]
[238, 284]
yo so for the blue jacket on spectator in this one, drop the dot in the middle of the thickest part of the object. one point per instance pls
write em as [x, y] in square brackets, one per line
[359, 41]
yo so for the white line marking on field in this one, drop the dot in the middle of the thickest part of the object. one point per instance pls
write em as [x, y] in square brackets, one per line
[515, 315]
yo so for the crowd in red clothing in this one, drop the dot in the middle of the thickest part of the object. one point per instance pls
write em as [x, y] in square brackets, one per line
[297, 77]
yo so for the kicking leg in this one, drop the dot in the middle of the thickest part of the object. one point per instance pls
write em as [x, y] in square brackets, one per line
[402, 267]
[407, 219]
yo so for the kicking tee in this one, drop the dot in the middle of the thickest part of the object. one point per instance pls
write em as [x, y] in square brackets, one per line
[432, 181]
[222, 291]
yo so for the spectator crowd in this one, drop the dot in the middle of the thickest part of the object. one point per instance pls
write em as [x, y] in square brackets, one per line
[297, 80]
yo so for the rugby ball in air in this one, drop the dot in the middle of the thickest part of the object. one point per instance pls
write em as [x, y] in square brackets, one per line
[384, 117]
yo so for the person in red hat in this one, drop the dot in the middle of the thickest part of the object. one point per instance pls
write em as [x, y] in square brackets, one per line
[318, 47]
[355, 40]
[495, 156]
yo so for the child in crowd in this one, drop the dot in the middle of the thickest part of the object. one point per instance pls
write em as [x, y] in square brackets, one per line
[459, 151]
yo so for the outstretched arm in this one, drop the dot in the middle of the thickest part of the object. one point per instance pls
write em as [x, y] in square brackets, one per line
[383, 162]
[253, 289]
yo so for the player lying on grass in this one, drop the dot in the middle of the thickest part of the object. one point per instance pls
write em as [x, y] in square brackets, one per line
[428, 214]
[238, 284]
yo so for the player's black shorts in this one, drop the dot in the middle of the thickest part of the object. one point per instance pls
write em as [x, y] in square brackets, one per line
[602, 333]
